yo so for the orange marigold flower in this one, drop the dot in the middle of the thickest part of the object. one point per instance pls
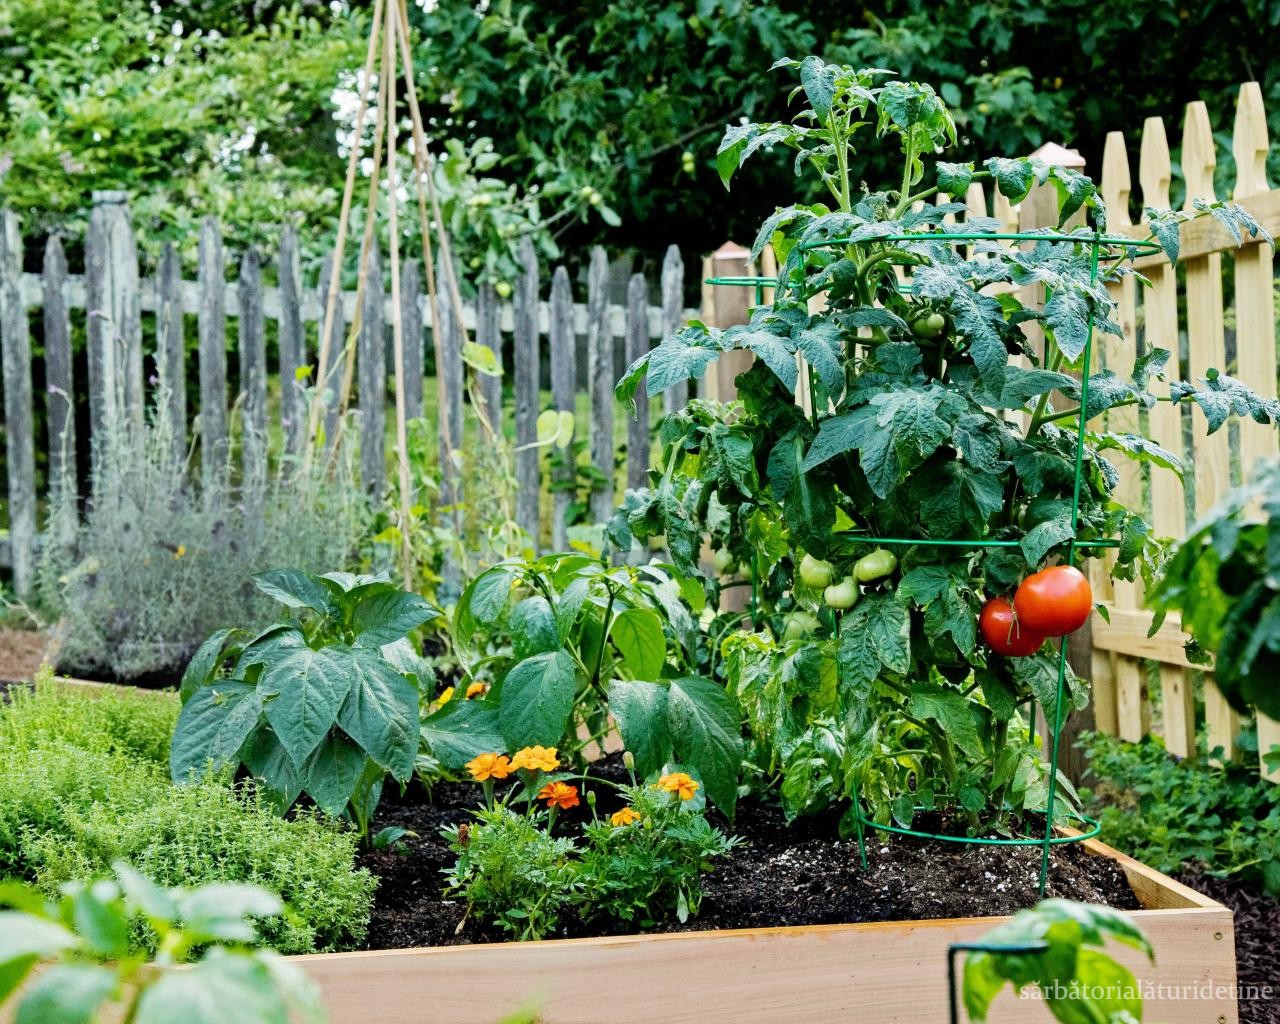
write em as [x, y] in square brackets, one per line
[476, 689]
[489, 766]
[679, 783]
[624, 817]
[446, 695]
[559, 794]
[536, 759]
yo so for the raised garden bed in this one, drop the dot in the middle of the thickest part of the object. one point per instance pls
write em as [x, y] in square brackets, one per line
[882, 971]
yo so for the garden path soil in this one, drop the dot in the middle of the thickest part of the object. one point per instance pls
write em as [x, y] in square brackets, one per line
[797, 874]
[1257, 941]
[21, 652]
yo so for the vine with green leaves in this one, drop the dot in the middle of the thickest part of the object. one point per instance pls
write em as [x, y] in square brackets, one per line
[932, 422]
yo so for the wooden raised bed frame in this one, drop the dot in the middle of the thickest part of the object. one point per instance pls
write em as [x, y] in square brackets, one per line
[886, 973]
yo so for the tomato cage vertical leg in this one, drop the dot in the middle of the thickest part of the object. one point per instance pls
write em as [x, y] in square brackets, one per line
[956, 948]
[1058, 716]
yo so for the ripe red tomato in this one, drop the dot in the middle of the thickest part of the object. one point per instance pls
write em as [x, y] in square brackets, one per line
[1054, 601]
[1003, 632]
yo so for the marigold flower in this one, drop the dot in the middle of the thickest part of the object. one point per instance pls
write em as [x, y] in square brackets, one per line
[536, 759]
[489, 766]
[476, 689]
[624, 817]
[446, 695]
[559, 794]
[679, 783]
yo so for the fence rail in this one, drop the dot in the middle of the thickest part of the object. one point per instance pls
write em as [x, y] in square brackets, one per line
[112, 302]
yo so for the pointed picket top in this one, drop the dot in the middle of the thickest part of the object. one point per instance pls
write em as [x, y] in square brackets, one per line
[1154, 169]
[1059, 156]
[1249, 143]
[731, 251]
[1198, 155]
[1117, 185]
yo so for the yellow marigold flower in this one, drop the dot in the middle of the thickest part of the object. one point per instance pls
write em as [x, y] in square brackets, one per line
[446, 695]
[536, 759]
[680, 784]
[559, 794]
[476, 689]
[624, 817]
[489, 766]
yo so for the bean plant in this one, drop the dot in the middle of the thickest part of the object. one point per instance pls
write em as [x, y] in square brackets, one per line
[923, 400]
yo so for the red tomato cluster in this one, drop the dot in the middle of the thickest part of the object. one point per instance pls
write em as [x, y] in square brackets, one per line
[1052, 602]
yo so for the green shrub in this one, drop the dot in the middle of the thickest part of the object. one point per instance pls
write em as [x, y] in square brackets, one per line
[81, 787]
[1174, 814]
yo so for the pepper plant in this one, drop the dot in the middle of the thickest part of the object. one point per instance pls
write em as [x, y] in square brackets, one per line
[571, 646]
[931, 429]
[323, 703]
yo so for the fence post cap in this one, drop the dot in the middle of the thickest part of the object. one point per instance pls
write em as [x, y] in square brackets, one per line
[1059, 156]
[108, 197]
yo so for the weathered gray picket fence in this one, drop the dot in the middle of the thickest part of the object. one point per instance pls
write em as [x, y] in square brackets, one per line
[115, 297]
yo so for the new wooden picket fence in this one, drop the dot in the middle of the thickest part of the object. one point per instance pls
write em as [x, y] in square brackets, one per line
[111, 298]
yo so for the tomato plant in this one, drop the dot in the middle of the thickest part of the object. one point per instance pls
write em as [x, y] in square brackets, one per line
[933, 419]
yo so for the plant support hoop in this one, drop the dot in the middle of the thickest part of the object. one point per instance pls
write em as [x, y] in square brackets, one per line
[1114, 248]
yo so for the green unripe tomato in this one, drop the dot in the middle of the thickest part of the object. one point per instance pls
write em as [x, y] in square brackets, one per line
[503, 288]
[841, 595]
[745, 569]
[929, 326]
[814, 572]
[799, 625]
[875, 566]
[723, 561]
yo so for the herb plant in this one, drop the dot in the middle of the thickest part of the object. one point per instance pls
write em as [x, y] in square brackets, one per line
[910, 430]
[94, 974]
[568, 643]
[324, 703]
[1225, 580]
[1079, 980]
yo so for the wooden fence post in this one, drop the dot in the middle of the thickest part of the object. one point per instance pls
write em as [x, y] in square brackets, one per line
[675, 397]
[600, 382]
[1255, 313]
[111, 261]
[60, 395]
[212, 330]
[564, 381]
[452, 380]
[411, 321]
[489, 334]
[1168, 506]
[292, 341]
[729, 305]
[253, 376]
[19, 442]
[528, 378]
[371, 364]
[171, 350]
[638, 443]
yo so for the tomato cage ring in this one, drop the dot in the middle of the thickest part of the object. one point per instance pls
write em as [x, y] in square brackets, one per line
[1134, 247]
[1072, 817]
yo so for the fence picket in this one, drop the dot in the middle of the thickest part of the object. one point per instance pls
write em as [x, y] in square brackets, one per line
[675, 397]
[489, 334]
[637, 345]
[18, 422]
[212, 329]
[411, 323]
[451, 383]
[600, 380]
[371, 365]
[171, 349]
[1255, 311]
[1206, 348]
[253, 373]
[1164, 421]
[292, 342]
[528, 382]
[564, 374]
[60, 406]
[337, 339]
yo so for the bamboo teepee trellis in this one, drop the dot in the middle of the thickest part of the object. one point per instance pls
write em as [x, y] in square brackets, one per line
[388, 43]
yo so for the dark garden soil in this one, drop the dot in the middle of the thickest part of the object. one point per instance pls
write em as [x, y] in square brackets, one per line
[1257, 921]
[797, 874]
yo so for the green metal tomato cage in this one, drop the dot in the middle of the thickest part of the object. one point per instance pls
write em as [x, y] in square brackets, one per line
[1097, 243]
